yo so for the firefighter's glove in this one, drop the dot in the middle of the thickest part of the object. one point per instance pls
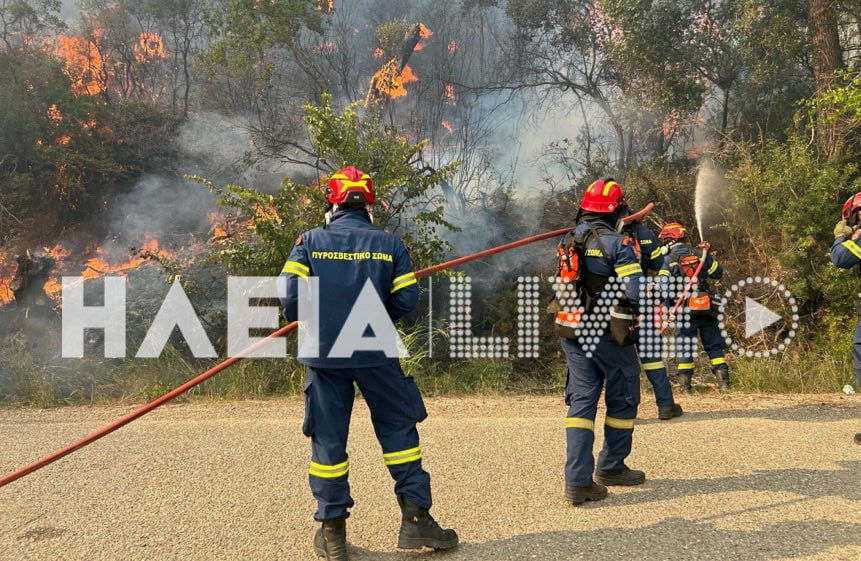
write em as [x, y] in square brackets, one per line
[842, 229]
[705, 246]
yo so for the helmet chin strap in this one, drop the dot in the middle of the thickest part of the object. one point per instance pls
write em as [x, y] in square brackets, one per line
[619, 214]
[328, 216]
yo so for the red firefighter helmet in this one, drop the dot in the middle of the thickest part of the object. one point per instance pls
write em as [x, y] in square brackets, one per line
[350, 185]
[852, 204]
[604, 195]
[672, 231]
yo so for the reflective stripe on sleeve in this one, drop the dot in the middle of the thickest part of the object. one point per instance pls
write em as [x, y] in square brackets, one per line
[714, 266]
[629, 269]
[403, 280]
[296, 268]
[852, 247]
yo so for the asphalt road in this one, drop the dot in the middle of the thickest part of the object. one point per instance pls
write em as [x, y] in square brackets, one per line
[738, 477]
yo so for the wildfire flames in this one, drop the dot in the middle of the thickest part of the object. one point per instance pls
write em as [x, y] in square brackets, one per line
[149, 46]
[85, 65]
[99, 264]
[388, 81]
[7, 271]
[112, 259]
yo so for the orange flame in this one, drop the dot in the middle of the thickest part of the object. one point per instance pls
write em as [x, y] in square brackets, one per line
[325, 48]
[447, 125]
[448, 93]
[424, 33]
[7, 272]
[83, 62]
[325, 6]
[99, 265]
[149, 46]
[225, 227]
[54, 114]
[389, 81]
[407, 75]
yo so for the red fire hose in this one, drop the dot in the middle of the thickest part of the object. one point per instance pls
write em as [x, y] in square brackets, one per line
[126, 419]
[705, 248]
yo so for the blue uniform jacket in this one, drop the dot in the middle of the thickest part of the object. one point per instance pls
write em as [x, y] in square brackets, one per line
[711, 269]
[344, 255]
[620, 260]
[845, 252]
[651, 258]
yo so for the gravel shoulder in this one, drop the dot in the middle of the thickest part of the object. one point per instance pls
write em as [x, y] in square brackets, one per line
[739, 476]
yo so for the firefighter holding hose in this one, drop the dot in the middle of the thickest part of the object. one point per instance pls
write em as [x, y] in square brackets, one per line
[341, 267]
[694, 266]
[598, 358]
[846, 254]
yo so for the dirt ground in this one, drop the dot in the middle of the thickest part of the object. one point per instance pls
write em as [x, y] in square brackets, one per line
[741, 477]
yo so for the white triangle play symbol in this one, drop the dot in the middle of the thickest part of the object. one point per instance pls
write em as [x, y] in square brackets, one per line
[757, 317]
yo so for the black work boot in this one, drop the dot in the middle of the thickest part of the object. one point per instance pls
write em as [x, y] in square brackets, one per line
[723, 378]
[666, 412]
[577, 495]
[858, 438]
[684, 382]
[330, 540]
[419, 529]
[627, 477]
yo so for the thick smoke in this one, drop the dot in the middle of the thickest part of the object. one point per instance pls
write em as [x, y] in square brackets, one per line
[712, 189]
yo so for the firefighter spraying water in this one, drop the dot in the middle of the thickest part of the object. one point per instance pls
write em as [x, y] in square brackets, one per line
[698, 269]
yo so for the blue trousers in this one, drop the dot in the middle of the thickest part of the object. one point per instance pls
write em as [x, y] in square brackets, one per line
[856, 351]
[615, 370]
[708, 330]
[651, 358]
[396, 406]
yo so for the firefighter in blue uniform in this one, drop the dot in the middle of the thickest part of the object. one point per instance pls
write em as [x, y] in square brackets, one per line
[680, 263]
[846, 254]
[604, 361]
[340, 264]
[647, 334]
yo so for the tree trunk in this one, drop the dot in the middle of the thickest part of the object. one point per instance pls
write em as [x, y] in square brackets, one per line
[825, 46]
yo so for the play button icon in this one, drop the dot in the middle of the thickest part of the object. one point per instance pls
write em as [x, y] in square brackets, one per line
[769, 313]
[757, 317]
